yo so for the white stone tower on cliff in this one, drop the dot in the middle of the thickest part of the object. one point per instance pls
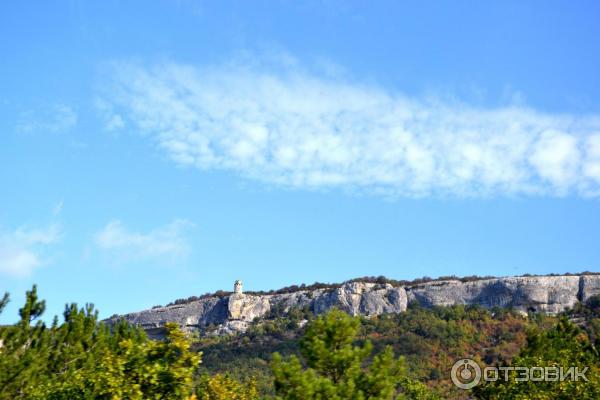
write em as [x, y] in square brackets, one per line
[237, 287]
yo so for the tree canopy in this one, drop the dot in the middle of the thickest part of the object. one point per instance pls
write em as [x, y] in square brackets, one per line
[564, 346]
[84, 359]
[335, 368]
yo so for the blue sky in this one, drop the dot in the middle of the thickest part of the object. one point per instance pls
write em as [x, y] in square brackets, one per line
[156, 150]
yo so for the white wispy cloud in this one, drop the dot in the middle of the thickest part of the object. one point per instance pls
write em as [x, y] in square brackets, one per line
[56, 118]
[22, 251]
[288, 126]
[165, 243]
[112, 120]
[57, 209]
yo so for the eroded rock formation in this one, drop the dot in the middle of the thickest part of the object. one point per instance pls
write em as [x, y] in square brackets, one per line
[234, 313]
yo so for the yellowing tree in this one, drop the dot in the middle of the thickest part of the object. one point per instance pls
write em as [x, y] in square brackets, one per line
[223, 387]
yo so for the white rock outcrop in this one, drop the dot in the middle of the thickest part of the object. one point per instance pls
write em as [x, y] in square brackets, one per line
[235, 313]
[548, 294]
[243, 307]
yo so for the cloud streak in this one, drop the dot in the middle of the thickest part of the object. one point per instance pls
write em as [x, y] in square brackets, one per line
[56, 118]
[299, 129]
[21, 251]
[166, 243]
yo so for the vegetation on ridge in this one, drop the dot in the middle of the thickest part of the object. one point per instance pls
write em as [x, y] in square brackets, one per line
[367, 279]
[334, 356]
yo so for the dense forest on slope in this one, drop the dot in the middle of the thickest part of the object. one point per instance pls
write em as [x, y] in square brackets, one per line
[400, 356]
[431, 340]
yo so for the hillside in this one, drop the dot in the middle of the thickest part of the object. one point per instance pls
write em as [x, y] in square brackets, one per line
[430, 340]
[227, 313]
[423, 342]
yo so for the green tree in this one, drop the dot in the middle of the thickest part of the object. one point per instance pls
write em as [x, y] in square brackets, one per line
[4, 301]
[25, 346]
[337, 369]
[565, 345]
[84, 359]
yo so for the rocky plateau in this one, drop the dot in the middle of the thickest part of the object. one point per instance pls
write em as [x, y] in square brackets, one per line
[235, 312]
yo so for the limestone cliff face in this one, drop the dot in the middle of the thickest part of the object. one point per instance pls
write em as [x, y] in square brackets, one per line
[359, 298]
[589, 286]
[547, 294]
[244, 307]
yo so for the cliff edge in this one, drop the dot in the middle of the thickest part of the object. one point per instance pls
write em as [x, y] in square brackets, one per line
[235, 312]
